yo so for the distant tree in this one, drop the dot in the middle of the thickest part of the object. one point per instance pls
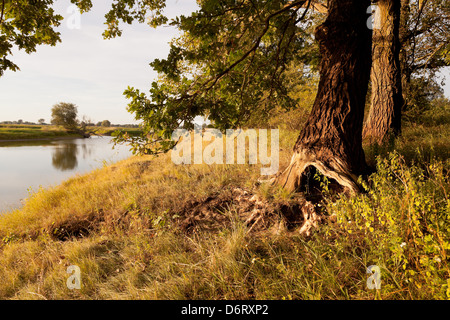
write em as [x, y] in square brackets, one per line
[20, 121]
[41, 121]
[84, 122]
[99, 124]
[83, 125]
[87, 121]
[106, 123]
[65, 114]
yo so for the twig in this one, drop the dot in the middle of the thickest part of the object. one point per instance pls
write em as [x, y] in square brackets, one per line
[3, 11]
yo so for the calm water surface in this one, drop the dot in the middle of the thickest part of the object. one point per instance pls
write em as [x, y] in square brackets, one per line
[26, 166]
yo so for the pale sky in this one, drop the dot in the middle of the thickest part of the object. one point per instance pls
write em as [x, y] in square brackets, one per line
[91, 72]
[85, 69]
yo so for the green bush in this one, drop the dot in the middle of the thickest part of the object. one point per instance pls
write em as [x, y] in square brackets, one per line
[404, 222]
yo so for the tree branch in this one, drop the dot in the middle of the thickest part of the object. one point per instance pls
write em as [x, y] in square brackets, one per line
[421, 4]
[3, 11]
[257, 42]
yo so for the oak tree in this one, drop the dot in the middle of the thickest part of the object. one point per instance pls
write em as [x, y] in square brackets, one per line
[331, 140]
[230, 62]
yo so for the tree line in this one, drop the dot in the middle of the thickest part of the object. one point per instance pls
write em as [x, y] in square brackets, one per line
[66, 115]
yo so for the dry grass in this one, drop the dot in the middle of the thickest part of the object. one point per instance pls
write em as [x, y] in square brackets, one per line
[118, 225]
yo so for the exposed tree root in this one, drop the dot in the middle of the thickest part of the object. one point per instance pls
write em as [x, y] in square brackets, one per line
[258, 214]
[333, 167]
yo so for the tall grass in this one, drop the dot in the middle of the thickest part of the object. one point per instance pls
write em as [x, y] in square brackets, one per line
[116, 224]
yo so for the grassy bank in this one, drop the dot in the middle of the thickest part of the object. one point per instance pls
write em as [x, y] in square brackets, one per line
[33, 132]
[38, 132]
[145, 228]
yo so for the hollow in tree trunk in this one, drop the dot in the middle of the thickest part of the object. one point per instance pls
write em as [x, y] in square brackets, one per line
[384, 119]
[331, 140]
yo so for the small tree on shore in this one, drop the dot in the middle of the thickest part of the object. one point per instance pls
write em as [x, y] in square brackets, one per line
[65, 114]
[106, 123]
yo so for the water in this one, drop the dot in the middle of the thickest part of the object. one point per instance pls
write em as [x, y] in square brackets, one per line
[28, 165]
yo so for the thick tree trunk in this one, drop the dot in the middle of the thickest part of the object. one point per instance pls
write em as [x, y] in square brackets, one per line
[404, 43]
[384, 118]
[331, 140]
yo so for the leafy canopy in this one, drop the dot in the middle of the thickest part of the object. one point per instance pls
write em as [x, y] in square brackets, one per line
[426, 48]
[26, 24]
[229, 62]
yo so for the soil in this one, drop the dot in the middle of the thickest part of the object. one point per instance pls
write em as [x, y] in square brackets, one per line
[258, 214]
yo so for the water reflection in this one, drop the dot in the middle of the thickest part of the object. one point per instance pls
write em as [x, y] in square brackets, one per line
[64, 157]
[87, 151]
[31, 164]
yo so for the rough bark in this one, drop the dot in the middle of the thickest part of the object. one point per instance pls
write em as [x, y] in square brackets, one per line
[384, 119]
[404, 42]
[331, 140]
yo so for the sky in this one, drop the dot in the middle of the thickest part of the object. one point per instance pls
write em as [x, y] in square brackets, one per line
[89, 71]
[85, 69]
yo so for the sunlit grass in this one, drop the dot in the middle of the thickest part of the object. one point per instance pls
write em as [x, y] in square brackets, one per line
[131, 249]
[30, 132]
[19, 132]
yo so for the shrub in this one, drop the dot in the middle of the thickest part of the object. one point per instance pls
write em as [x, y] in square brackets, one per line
[404, 221]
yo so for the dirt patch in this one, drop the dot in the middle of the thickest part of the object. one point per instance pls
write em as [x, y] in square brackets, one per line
[213, 213]
[75, 228]
[219, 210]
